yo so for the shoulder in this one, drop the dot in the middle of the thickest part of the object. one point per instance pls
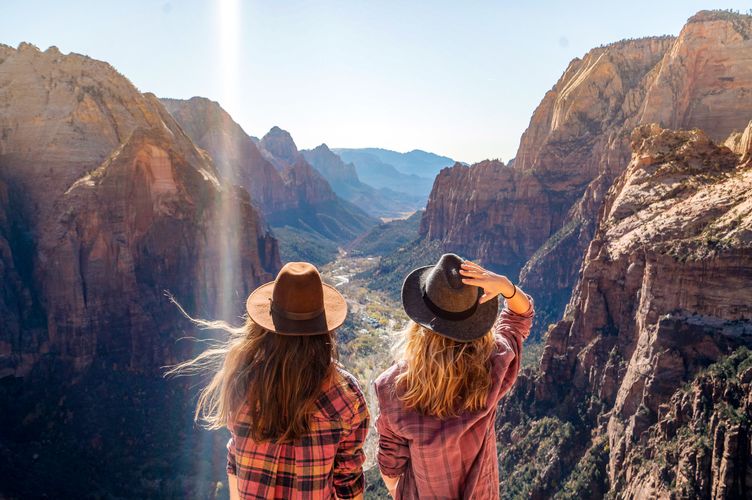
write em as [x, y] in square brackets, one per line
[503, 346]
[385, 384]
[343, 398]
[346, 383]
[388, 376]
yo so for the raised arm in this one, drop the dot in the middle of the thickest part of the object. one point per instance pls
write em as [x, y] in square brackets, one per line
[495, 284]
[514, 321]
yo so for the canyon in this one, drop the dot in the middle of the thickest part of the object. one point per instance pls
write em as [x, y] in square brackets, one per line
[662, 294]
[625, 213]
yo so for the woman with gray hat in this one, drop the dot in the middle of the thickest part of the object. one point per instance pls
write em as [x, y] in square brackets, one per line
[437, 403]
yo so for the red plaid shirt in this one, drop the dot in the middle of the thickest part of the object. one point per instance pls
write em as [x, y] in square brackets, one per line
[455, 457]
[326, 461]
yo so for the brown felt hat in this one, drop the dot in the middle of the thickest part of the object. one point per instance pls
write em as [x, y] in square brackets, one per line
[297, 303]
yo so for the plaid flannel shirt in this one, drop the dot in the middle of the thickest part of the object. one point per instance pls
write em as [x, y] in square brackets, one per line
[455, 457]
[326, 461]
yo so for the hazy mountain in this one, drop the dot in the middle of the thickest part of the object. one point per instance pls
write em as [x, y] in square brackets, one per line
[373, 170]
[345, 181]
[415, 162]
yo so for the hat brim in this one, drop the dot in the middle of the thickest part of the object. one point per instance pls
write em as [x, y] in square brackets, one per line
[465, 330]
[259, 310]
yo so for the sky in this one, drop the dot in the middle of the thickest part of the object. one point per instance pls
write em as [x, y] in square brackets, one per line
[458, 78]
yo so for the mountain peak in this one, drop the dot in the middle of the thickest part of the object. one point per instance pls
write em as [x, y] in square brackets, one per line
[280, 145]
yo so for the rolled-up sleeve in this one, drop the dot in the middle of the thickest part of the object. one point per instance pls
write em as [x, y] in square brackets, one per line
[231, 465]
[393, 451]
[349, 480]
[514, 328]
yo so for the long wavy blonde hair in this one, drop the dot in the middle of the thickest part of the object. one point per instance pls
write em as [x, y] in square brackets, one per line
[443, 377]
[279, 377]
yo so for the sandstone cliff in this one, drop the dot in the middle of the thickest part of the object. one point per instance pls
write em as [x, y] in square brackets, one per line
[152, 218]
[578, 142]
[236, 156]
[111, 205]
[106, 205]
[662, 293]
[701, 446]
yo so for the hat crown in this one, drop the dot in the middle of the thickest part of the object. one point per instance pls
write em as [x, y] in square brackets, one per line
[444, 286]
[298, 289]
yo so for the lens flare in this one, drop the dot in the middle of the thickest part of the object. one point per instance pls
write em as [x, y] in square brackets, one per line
[229, 31]
[226, 229]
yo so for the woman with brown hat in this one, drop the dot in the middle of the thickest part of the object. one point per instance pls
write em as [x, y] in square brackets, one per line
[297, 419]
[437, 404]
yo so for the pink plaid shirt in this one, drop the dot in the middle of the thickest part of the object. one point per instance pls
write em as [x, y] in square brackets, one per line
[455, 457]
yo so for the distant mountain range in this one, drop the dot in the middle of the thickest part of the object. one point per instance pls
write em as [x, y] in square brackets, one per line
[411, 173]
[416, 162]
[381, 202]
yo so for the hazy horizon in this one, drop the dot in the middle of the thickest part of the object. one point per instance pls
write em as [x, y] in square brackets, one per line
[456, 80]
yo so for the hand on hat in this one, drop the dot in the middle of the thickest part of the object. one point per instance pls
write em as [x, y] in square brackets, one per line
[492, 284]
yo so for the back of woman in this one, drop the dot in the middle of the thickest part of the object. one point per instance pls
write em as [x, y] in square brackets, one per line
[326, 459]
[297, 419]
[437, 404]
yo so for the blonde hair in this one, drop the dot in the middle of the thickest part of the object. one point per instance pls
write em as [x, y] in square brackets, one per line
[278, 377]
[443, 377]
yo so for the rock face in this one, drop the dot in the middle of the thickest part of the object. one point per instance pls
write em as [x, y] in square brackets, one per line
[470, 209]
[235, 155]
[662, 293]
[702, 441]
[578, 142]
[146, 221]
[108, 204]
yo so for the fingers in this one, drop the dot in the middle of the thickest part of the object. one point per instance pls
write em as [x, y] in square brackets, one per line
[486, 297]
[471, 265]
[480, 283]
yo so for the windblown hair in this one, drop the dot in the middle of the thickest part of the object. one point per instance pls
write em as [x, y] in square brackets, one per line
[443, 377]
[278, 378]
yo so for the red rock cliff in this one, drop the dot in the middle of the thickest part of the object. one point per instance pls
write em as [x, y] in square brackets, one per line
[662, 293]
[578, 142]
[279, 179]
[112, 204]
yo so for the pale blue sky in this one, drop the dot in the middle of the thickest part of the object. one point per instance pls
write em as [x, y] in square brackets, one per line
[459, 78]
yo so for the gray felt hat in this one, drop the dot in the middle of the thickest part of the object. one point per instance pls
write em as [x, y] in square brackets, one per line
[435, 297]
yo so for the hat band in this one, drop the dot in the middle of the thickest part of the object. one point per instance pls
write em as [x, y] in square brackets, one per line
[448, 315]
[302, 316]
